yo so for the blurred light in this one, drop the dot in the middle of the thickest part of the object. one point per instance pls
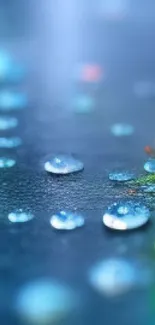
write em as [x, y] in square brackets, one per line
[91, 73]
[113, 277]
[10, 71]
[83, 103]
[44, 302]
[10, 100]
[121, 129]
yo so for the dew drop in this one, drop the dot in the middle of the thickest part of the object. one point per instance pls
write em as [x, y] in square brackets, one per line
[44, 302]
[120, 130]
[10, 142]
[20, 216]
[149, 166]
[6, 162]
[113, 277]
[63, 164]
[121, 176]
[12, 100]
[125, 216]
[8, 122]
[66, 220]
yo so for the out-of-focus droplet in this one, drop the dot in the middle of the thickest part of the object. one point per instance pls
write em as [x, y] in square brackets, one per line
[10, 71]
[144, 89]
[6, 162]
[44, 302]
[121, 176]
[67, 220]
[12, 100]
[148, 188]
[91, 73]
[10, 142]
[20, 215]
[149, 166]
[126, 215]
[113, 277]
[120, 130]
[83, 104]
[7, 122]
[63, 164]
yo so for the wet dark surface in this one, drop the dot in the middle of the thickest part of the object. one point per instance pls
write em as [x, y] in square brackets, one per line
[51, 41]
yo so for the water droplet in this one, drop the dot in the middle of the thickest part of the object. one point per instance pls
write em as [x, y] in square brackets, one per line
[12, 100]
[120, 130]
[67, 220]
[63, 164]
[149, 166]
[148, 188]
[6, 162]
[8, 122]
[127, 215]
[10, 142]
[44, 302]
[83, 104]
[113, 277]
[121, 176]
[20, 216]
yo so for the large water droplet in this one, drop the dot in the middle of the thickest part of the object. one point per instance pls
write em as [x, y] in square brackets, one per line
[126, 215]
[149, 166]
[113, 277]
[121, 176]
[20, 216]
[10, 142]
[120, 130]
[12, 100]
[44, 302]
[6, 162]
[67, 220]
[63, 164]
[8, 122]
[148, 188]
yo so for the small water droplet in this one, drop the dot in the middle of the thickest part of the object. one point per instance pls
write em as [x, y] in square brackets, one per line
[113, 277]
[127, 215]
[6, 162]
[149, 166]
[121, 176]
[148, 188]
[67, 220]
[44, 302]
[12, 100]
[20, 216]
[63, 164]
[8, 122]
[10, 142]
[120, 130]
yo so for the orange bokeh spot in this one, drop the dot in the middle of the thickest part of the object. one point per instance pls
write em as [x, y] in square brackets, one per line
[148, 150]
[91, 73]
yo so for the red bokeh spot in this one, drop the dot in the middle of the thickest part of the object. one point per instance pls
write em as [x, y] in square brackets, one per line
[91, 73]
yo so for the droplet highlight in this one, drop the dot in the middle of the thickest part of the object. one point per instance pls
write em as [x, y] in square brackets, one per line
[10, 142]
[63, 164]
[66, 220]
[121, 176]
[8, 122]
[126, 215]
[19, 216]
[149, 166]
[6, 162]
[120, 130]
[12, 101]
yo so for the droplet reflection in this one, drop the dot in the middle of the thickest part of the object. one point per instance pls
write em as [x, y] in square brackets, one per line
[121, 176]
[6, 162]
[7, 122]
[20, 215]
[127, 215]
[66, 220]
[120, 130]
[10, 142]
[63, 164]
[12, 100]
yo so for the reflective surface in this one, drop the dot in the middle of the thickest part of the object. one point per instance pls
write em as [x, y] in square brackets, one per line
[20, 215]
[63, 164]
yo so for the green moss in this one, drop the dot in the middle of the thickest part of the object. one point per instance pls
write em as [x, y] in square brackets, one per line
[144, 180]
